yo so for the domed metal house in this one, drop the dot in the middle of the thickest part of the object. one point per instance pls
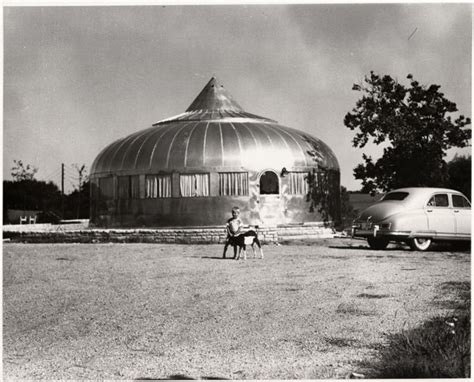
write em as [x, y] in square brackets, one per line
[191, 169]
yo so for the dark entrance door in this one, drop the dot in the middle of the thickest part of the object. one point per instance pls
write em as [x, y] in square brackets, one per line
[270, 201]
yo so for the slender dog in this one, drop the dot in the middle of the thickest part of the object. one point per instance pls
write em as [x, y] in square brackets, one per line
[241, 241]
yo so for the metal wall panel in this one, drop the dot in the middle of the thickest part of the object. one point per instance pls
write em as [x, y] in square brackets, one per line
[195, 152]
[213, 135]
[232, 153]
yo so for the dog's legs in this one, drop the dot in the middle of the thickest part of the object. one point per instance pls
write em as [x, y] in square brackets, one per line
[239, 255]
[245, 252]
[235, 253]
[259, 247]
[253, 249]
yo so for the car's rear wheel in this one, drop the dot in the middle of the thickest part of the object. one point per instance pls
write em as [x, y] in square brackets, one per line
[377, 243]
[420, 244]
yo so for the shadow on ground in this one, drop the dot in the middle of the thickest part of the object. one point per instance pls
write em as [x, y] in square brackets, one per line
[436, 247]
[179, 377]
[214, 257]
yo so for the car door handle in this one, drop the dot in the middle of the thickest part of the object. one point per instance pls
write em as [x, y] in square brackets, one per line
[456, 211]
[429, 210]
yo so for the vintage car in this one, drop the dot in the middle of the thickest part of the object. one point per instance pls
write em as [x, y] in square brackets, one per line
[417, 216]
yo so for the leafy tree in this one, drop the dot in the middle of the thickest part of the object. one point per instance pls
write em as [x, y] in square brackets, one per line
[324, 194]
[459, 174]
[78, 200]
[348, 213]
[324, 191]
[31, 194]
[27, 193]
[21, 172]
[77, 203]
[414, 123]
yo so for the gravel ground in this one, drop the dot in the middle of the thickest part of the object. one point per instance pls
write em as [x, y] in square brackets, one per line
[136, 311]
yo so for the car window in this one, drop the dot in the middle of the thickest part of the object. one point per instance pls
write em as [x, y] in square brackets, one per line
[438, 200]
[395, 196]
[461, 202]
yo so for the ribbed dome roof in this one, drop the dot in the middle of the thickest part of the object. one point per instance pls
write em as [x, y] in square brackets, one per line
[214, 132]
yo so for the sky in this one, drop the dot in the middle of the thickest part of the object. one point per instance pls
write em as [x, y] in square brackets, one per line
[78, 78]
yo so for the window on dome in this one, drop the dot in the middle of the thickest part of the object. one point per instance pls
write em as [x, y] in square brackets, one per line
[134, 187]
[106, 188]
[127, 187]
[157, 186]
[233, 183]
[298, 184]
[269, 183]
[191, 185]
[123, 187]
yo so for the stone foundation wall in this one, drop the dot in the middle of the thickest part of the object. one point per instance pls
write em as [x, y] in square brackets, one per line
[198, 235]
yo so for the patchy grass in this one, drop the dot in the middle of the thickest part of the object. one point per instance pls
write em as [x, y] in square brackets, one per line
[342, 342]
[353, 309]
[439, 348]
[454, 295]
[460, 288]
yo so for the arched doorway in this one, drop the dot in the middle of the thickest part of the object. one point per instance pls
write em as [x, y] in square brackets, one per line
[269, 183]
[269, 200]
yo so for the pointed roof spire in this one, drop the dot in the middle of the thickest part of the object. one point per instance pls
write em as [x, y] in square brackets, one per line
[214, 97]
[212, 104]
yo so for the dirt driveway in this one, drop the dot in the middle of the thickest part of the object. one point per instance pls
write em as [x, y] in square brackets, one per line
[135, 311]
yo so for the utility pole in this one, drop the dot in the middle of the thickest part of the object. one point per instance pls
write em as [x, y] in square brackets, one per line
[62, 190]
[79, 194]
[80, 170]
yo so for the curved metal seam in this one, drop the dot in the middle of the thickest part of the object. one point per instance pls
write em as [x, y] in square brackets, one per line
[112, 149]
[281, 136]
[300, 135]
[284, 140]
[265, 133]
[124, 140]
[204, 146]
[257, 144]
[159, 130]
[112, 158]
[222, 145]
[130, 145]
[238, 141]
[171, 144]
[170, 127]
[163, 131]
[280, 128]
[292, 137]
[100, 155]
[187, 144]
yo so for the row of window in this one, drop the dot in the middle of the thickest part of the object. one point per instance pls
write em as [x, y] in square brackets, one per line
[437, 200]
[441, 200]
[195, 185]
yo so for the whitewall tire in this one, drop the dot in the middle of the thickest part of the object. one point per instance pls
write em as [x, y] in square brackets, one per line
[420, 244]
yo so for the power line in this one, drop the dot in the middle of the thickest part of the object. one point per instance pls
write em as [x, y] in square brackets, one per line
[53, 176]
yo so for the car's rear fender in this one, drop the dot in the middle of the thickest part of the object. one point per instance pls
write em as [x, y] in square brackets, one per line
[409, 221]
